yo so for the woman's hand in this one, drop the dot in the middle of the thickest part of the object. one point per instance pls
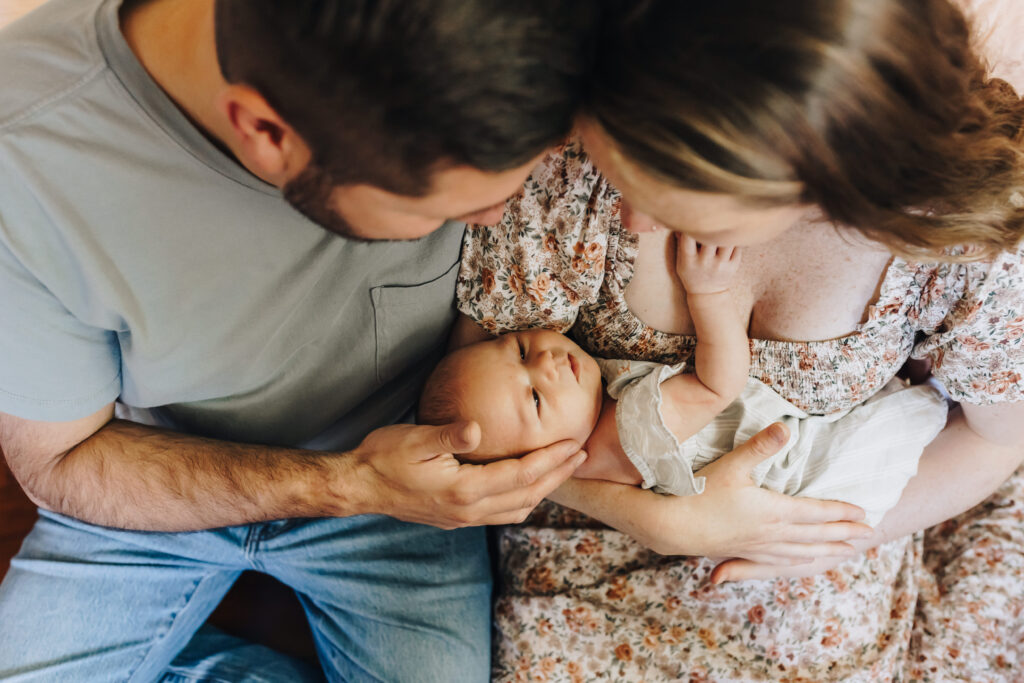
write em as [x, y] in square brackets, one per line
[979, 449]
[733, 518]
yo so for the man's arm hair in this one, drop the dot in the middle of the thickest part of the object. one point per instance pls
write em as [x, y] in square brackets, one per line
[121, 474]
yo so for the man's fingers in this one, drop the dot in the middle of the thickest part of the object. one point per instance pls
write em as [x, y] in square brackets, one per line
[511, 504]
[519, 473]
[513, 517]
[528, 497]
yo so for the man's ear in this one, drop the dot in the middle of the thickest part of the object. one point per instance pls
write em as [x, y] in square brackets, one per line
[261, 139]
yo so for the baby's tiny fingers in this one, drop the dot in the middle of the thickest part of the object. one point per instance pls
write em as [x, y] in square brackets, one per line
[687, 245]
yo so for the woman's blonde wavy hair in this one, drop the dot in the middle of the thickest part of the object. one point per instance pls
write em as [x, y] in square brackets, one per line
[878, 111]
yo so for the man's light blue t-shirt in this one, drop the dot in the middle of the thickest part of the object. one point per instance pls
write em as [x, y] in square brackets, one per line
[139, 263]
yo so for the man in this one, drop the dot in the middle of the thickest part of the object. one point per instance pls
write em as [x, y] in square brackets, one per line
[152, 154]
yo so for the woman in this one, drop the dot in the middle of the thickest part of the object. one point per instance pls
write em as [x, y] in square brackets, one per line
[874, 174]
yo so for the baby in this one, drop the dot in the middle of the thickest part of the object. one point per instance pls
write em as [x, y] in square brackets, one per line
[648, 424]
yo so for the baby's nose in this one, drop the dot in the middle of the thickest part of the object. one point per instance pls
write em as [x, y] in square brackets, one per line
[547, 360]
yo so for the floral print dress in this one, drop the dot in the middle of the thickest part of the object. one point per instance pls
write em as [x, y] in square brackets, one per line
[578, 601]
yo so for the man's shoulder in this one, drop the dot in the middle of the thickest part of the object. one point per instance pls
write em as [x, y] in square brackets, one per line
[47, 55]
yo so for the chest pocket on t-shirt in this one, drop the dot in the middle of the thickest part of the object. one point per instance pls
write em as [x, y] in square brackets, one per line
[411, 321]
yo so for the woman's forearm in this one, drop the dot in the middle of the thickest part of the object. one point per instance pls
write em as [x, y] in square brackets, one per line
[958, 470]
[732, 518]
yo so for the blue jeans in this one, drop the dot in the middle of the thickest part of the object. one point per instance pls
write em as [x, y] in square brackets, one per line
[387, 601]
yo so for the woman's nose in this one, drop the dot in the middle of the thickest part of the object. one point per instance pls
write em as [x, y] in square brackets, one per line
[634, 220]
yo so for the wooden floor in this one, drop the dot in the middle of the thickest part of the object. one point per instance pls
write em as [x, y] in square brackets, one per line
[17, 515]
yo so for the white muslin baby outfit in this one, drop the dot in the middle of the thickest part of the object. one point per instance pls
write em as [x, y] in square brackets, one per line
[864, 455]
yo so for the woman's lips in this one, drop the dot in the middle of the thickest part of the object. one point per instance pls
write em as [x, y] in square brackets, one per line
[574, 366]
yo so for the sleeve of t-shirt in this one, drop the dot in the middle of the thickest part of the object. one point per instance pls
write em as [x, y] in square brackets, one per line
[53, 366]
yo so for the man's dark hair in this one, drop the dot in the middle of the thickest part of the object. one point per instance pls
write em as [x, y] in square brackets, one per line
[385, 91]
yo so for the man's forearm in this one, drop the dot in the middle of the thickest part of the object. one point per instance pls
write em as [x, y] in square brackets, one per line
[137, 477]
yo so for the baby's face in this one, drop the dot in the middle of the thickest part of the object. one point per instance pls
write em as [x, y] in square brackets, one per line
[528, 390]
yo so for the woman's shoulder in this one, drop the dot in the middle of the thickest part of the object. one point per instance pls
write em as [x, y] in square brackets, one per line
[965, 289]
[970, 319]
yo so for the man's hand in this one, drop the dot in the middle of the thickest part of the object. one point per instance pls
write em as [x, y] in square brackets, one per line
[732, 518]
[705, 269]
[410, 472]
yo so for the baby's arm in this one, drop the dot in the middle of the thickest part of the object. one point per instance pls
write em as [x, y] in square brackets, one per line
[722, 355]
[722, 361]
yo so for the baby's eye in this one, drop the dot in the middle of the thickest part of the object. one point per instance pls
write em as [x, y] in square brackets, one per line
[522, 351]
[536, 399]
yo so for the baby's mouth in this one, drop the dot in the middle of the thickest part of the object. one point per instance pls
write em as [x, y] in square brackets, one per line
[574, 366]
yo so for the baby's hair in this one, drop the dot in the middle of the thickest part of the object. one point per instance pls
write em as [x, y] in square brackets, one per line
[439, 402]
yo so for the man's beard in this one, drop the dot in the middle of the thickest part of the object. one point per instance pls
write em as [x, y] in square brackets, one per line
[309, 193]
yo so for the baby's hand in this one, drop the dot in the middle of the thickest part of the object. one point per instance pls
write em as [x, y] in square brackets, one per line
[705, 269]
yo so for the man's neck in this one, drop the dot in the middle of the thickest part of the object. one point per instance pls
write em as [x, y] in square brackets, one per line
[174, 41]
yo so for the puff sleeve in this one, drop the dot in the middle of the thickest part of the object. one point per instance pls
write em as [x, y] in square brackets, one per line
[546, 257]
[971, 322]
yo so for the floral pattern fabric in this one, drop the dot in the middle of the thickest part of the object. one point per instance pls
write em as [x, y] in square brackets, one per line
[580, 602]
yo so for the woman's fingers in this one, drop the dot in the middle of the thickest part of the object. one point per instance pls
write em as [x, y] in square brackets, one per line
[834, 531]
[788, 553]
[746, 457]
[811, 511]
[745, 570]
[784, 560]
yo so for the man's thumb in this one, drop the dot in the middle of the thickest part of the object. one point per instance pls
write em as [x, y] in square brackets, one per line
[458, 437]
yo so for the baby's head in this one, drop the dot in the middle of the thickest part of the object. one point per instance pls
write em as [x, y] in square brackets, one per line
[525, 389]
